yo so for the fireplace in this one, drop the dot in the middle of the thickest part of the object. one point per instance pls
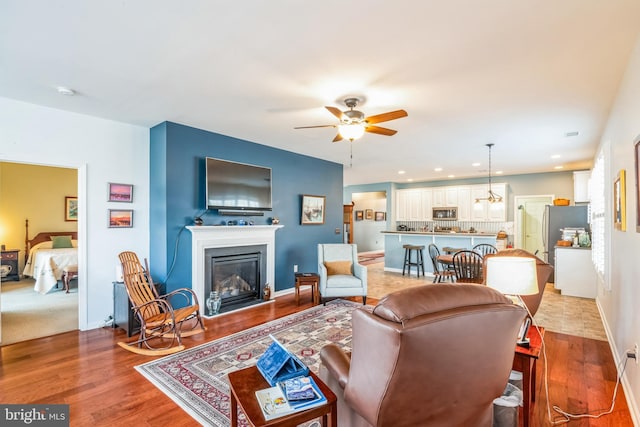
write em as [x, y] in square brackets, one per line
[237, 273]
[204, 238]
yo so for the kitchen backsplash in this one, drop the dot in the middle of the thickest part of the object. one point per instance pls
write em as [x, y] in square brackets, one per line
[479, 226]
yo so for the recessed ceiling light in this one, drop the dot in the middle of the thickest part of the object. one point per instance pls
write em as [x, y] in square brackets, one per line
[476, 164]
[409, 179]
[401, 172]
[556, 156]
[558, 167]
[498, 172]
[438, 169]
[451, 176]
[574, 133]
[66, 91]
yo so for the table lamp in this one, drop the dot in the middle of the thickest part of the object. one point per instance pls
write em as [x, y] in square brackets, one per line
[514, 276]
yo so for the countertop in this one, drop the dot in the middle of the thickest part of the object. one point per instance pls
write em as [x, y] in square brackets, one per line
[573, 247]
[442, 233]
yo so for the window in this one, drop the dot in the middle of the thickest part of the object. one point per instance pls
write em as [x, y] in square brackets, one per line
[598, 217]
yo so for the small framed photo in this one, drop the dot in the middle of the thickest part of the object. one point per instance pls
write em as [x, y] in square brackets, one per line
[381, 216]
[70, 208]
[359, 215]
[619, 202]
[312, 210]
[120, 193]
[368, 214]
[120, 218]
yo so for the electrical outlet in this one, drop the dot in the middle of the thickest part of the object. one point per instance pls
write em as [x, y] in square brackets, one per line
[295, 268]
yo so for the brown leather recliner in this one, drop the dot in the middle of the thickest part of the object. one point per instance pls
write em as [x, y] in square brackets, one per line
[543, 271]
[433, 355]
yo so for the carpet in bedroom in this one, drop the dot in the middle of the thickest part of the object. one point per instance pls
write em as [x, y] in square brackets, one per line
[196, 378]
[27, 315]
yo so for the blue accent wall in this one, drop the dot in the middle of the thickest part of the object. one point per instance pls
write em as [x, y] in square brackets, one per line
[177, 195]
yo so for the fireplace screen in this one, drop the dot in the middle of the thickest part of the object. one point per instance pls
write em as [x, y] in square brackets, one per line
[236, 273]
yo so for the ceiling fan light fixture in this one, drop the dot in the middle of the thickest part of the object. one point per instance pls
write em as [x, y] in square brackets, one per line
[351, 131]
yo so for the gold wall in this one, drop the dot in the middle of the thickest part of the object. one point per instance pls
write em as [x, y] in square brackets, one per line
[37, 193]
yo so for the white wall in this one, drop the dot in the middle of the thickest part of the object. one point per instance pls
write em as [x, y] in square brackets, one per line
[103, 151]
[620, 306]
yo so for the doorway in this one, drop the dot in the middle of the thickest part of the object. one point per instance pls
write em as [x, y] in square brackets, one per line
[529, 211]
[42, 197]
[370, 219]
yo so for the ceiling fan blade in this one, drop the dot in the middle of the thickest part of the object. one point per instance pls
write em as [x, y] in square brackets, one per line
[337, 138]
[336, 112]
[391, 115]
[379, 130]
[319, 126]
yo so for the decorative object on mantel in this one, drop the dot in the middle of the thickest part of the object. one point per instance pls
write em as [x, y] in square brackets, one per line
[275, 220]
[198, 221]
[492, 197]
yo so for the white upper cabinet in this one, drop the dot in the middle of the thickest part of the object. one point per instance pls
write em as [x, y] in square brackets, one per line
[409, 204]
[437, 199]
[427, 204]
[581, 186]
[464, 203]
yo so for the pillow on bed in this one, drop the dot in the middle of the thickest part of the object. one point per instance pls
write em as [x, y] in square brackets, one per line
[60, 242]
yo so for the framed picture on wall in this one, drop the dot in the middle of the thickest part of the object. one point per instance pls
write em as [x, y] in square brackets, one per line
[619, 202]
[70, 208]
[637, 156]
[120, 193]
[381, 216]
[368, 214]
[120, 218]
[359, 215]
[312, 210]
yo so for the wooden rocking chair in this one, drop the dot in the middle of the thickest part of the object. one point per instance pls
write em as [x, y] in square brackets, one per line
[161, 325]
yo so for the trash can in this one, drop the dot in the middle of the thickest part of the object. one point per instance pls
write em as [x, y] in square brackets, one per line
[505, 407]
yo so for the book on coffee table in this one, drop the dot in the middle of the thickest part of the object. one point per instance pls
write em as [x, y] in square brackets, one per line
[274, 403]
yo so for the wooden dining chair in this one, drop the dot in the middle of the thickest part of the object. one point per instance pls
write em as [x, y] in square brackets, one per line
[467, 266]
[162, 323]
[485, 248]
[440, 272]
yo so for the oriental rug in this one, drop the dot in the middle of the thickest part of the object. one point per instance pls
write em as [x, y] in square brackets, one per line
[196, 378]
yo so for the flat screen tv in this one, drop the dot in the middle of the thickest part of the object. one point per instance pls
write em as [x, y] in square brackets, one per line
[237, 186]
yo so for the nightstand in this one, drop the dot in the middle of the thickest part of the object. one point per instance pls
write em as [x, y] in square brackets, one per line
[9, 261]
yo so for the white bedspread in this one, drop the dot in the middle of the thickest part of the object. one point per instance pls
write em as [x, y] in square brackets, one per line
[46, 265]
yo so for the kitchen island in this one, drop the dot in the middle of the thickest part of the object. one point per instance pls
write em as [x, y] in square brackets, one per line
[394, 240]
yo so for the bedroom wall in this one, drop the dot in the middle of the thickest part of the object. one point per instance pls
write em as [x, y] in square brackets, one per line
[24, 191]
[101, 151]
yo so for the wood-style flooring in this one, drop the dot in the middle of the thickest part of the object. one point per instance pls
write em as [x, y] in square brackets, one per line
[88, 371]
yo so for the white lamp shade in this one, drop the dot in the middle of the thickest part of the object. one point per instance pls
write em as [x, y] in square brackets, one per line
[351, 131]
[512, 275]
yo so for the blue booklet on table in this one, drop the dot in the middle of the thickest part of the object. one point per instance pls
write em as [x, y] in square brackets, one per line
[278, 364]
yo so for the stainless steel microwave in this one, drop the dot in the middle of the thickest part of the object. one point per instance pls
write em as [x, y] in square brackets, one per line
[445, 214]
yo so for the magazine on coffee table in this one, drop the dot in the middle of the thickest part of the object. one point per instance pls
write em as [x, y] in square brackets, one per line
[274, 403]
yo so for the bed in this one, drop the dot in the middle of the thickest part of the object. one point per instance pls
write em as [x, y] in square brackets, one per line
[45, 263]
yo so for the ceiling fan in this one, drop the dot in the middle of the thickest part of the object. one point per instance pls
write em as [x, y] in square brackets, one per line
[353, 123]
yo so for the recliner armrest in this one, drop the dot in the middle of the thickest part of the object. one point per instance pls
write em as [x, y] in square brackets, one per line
[337, 363]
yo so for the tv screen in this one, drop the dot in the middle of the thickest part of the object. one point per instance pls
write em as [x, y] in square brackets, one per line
[232, 185]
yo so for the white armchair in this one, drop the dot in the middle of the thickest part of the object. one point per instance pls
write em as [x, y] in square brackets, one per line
[340, 273]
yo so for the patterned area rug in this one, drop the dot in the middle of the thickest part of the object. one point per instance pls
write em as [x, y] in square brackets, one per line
[196, 378]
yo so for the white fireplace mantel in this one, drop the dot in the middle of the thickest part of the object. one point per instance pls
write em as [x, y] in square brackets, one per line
[206, 237]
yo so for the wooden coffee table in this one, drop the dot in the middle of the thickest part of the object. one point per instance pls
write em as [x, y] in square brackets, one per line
[243, 385]
[525, 362]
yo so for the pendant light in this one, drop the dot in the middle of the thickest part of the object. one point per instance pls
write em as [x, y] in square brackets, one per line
[492, 197]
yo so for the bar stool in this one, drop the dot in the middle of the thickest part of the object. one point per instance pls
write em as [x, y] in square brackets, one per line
[419, 262]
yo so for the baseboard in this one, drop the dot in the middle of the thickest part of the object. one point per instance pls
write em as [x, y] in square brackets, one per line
[628, 391]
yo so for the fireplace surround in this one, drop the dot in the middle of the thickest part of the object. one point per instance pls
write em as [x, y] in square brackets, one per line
[237, 237]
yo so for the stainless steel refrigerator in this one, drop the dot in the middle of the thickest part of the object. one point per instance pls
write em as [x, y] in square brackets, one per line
[556, 218]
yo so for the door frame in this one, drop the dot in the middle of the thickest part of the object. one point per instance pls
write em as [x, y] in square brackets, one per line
[517, 201]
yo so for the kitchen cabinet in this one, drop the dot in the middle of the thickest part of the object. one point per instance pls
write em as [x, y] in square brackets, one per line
[437, 197]
[464, 203]
[409, 204]
[581, 186]
[445, 197]
[574, 272]
[427, 204]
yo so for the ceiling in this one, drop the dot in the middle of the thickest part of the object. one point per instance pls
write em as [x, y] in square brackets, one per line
[519, 74]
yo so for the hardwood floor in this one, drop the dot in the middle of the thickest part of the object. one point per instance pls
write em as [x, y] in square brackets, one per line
[88, 371]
